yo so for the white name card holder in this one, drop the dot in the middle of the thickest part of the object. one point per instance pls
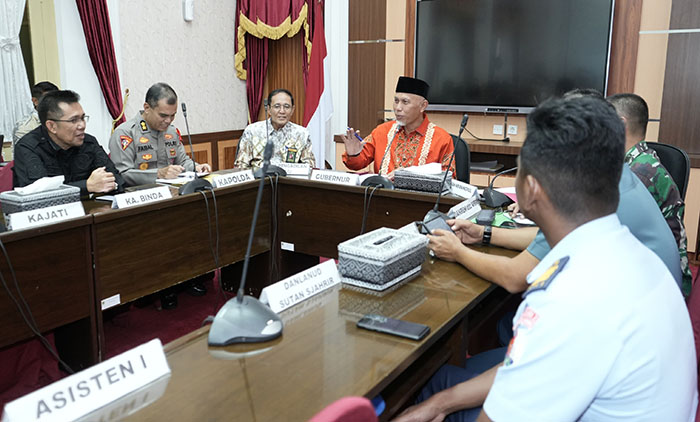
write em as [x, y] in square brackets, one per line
[230, 179]
[466, 209]
[300, 170]
[464, 190]
[301, 286]
[337, 177]
[85, 392]
[141, 197]
[43, 216]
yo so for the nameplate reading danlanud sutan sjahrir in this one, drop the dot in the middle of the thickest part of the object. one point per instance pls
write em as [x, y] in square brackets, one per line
[301, 286]
[337, 177]
[86, 391]
[140, 197]
[229, 179]
[42, 216]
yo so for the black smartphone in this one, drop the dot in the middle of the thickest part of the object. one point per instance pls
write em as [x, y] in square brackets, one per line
[393, 326]
[485, 217]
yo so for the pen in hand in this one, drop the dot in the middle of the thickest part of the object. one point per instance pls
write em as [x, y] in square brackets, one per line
[358, 136]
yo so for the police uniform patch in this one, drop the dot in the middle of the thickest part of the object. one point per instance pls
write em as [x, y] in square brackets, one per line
[291, 156]
[143, 166]
[544, 280]
[126, 141]
[147, 156]
[144, 140]
[168, 136]
[173, 153]
[144, 126]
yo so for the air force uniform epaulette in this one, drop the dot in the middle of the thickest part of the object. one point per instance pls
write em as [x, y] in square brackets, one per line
[544, 280]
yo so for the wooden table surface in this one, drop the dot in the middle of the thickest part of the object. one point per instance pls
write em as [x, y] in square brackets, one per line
[322, 355]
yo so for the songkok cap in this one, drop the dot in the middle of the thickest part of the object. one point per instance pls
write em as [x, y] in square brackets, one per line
[412, 86]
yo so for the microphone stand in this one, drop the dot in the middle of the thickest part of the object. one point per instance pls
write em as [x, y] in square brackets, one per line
[379, 180]
[244, 319]
[198, 184]
[494, 198]
[270, 170]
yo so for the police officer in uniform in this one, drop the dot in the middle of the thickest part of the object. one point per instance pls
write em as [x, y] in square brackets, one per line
[148, 147]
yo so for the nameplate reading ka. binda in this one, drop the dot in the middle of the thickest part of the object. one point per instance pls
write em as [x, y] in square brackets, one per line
[301, 286]
[141, 197]
[42, 216]
[337, 177]
[230, 179]
[84, 392]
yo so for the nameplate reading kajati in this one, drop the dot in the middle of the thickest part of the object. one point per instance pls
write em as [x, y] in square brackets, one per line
[42, 216]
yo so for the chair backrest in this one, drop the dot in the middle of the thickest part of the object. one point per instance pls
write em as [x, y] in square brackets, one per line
[676, 162]
[462, 159]
[347, 409]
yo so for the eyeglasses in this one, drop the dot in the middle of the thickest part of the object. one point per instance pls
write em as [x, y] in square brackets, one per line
[278, 107]
[74, 121]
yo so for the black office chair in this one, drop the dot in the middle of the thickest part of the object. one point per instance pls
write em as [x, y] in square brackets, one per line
[676, 162]
[462, 159]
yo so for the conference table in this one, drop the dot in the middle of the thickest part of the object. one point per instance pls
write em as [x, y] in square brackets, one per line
[322, 356]
[125, 254]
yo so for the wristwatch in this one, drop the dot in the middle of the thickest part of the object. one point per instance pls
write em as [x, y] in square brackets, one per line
[486, 238]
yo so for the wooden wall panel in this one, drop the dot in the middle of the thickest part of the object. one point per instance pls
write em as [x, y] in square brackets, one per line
[685, 14]
[227, 153]
[410, 38]
[624, 46]
[681, 102]
[285, 70]
[365, 86]
[367, 20]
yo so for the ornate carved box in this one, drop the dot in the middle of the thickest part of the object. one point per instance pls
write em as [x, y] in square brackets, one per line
[381, 258]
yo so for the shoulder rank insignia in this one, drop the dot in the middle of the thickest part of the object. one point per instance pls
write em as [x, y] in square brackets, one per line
[544, 280]
[144, 126]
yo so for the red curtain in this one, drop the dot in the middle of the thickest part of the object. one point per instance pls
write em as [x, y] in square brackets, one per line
[256, 67]
[94, 16]
[256, 22]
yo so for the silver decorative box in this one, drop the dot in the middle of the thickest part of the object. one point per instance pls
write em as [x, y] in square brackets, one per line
[404, 179]
[381, 257]
[12, 202]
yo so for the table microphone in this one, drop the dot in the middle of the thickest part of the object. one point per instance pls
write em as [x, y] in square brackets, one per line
[271, 170]
[494, 198]
[435, 219]
[379, 180]
[198, 184]
[244, 319]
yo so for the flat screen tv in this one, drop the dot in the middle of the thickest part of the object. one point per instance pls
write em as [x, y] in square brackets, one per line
[510, 55]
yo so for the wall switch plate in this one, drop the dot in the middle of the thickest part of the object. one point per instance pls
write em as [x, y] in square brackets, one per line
[498, 129]
[512, 129]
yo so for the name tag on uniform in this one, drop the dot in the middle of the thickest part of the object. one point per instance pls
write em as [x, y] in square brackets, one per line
[140, 197]
[92, 388]
[42, 216]
[465, 190]
[337, 177]
[301, 286]
[229, 179]
[466, 210]
[295, 169]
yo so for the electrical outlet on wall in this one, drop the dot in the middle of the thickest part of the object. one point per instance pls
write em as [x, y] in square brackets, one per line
[512, 129]
[498, 129]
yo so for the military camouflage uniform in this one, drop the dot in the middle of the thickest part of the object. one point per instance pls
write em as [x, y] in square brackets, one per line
[292, 145]
[646, 165]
